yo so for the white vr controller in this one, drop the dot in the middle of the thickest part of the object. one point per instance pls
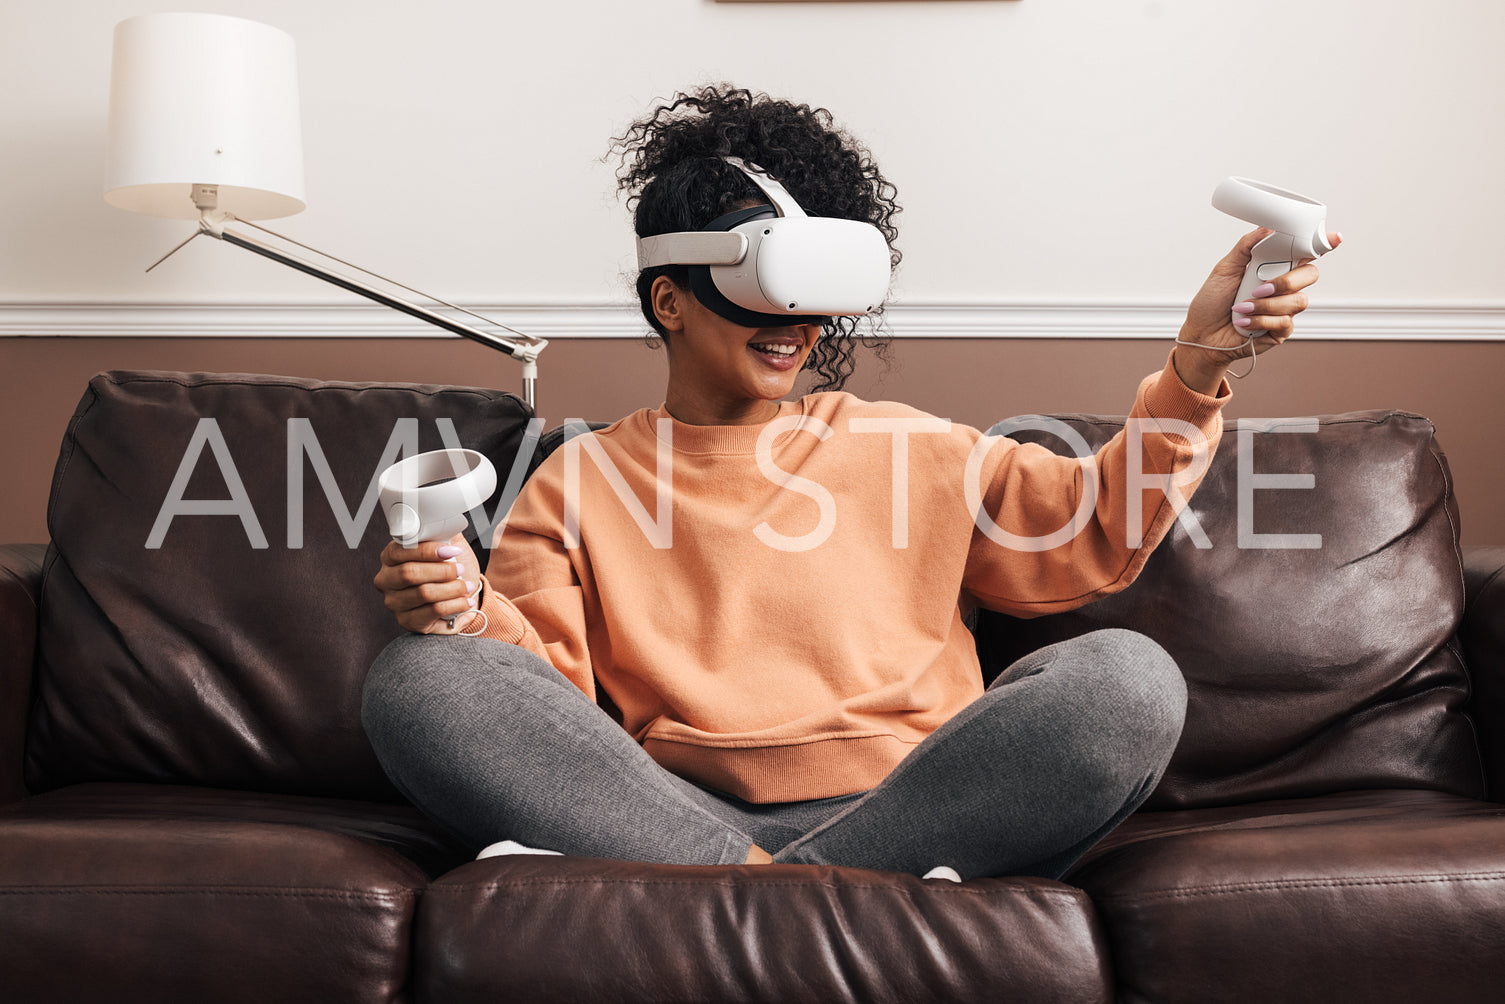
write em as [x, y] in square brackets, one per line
[1300, 226]
[428, 496]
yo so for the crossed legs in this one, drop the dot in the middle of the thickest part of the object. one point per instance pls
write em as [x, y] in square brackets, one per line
[493, 742]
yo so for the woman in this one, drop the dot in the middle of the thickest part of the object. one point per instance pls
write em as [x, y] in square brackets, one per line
[731, 629]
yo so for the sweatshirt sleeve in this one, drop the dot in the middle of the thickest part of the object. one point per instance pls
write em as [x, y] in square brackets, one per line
[1056, 533]
[533, 596]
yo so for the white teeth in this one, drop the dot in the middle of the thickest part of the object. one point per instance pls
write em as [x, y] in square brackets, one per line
[778, 350]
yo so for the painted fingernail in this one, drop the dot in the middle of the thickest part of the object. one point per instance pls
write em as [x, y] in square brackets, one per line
[470, 587]
[472, 602]
[1242, 322]
[450, 551]
[459, 570]
[1260, 292]
[1243, 308]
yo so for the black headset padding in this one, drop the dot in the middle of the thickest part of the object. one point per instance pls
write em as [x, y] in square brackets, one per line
[705, 290]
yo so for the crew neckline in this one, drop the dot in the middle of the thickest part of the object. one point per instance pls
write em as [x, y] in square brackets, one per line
[739, 439]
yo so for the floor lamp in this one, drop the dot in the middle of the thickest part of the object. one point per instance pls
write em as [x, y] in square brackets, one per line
[204, 125]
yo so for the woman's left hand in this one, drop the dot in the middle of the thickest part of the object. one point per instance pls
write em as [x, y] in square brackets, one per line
[1271, 314]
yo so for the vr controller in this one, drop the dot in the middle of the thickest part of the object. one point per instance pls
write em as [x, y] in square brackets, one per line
[783, 267]
[1300, 226]
[427, 497]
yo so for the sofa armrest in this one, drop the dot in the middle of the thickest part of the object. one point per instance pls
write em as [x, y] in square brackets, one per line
[1482, 636]
[20, 587]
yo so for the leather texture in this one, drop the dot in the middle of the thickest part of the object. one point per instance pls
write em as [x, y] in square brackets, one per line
[132, 892]
[1482, 636]
[1310, 670]
[1359, 896]
[262, 648]
[495, 930]
[212, 825]
[20, 587]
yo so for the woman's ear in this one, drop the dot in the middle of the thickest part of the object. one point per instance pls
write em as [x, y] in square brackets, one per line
[668, 302]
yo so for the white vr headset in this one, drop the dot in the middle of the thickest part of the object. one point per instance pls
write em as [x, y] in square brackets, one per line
[763, 267]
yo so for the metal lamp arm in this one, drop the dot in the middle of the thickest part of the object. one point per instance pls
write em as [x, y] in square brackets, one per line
[524, 348]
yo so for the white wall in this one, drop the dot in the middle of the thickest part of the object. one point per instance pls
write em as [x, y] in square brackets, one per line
[1044, 150]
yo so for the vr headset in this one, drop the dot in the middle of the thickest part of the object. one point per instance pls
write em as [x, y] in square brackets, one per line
[773, 266]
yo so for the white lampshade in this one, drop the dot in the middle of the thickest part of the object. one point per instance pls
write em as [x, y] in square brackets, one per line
[204, 99]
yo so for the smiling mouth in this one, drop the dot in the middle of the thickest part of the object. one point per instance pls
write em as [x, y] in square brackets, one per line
[777, 351]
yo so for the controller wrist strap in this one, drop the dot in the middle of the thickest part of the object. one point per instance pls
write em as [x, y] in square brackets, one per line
[1248, 344]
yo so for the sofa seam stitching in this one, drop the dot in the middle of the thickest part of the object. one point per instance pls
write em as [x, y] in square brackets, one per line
[1277, 885]
[92, 890]
[506, 396]
[1075, 895]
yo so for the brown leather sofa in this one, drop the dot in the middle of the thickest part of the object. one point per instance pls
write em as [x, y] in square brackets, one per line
[189, 811]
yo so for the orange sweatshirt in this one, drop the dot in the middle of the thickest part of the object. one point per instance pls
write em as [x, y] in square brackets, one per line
[776, 611]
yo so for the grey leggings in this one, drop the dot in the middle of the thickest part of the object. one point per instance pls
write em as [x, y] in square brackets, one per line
[494, 743]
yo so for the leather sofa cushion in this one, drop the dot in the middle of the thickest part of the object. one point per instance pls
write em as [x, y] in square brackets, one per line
[210, 660]
[127, 892]
[1386, 896]
[20, 583]
[1482, 637]
[1309, 669]
[575, 929]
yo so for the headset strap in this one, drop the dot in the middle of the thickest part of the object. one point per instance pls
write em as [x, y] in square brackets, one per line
[691, 248]
[777, 193]
[714, 247]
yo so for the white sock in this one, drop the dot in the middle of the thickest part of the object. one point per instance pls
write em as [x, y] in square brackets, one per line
[510, 847]
[943, 872]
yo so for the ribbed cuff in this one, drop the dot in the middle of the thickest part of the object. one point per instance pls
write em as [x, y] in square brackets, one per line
[1165, 395]
[503, 620]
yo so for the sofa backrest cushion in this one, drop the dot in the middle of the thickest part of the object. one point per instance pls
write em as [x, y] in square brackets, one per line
[227, 646]
[1318, 648]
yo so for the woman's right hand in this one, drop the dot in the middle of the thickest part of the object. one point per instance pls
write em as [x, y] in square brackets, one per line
[427, 584]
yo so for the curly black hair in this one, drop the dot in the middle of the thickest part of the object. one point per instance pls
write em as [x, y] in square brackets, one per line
[676, 180]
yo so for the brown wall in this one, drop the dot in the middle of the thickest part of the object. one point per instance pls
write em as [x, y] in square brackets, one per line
[975, 381]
